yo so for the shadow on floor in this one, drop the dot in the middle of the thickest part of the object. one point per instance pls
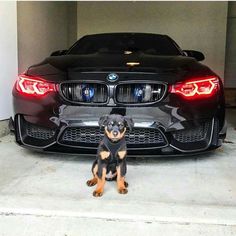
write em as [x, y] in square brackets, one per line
[131, 160]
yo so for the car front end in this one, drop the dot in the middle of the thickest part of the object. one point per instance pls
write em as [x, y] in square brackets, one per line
[177, 104]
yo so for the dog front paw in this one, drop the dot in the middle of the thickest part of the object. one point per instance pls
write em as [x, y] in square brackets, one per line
[97, 193]
[91, 182]
[123, 191]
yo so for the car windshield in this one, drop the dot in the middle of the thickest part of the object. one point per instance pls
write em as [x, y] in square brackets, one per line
[125, 44]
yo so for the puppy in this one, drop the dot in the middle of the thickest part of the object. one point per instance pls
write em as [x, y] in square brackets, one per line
[110, 163]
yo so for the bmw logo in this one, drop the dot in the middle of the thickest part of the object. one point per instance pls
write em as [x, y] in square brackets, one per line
[112, 77]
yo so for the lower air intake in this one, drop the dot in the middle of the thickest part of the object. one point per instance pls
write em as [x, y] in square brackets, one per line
[194, 134]
[38, 132]
[91, 136]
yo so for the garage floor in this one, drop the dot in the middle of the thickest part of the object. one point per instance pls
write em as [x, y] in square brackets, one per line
[46, 194]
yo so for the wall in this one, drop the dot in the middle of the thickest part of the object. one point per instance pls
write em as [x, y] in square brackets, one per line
[44, 27]
[8, 56]
[194, 25]
[72, 22]
[230, 59]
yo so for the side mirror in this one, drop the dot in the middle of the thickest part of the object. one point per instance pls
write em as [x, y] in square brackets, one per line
[196, 54]
[58, 53]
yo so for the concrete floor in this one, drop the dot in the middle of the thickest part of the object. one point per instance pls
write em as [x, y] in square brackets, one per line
[46, 194]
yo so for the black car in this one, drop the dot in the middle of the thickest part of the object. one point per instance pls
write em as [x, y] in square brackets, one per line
[176, 102]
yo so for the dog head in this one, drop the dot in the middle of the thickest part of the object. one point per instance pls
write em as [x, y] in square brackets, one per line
[115, 126]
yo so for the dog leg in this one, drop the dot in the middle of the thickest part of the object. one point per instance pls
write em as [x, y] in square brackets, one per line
[94, 180]
[100, 184]
[122, 155]
[121, 182]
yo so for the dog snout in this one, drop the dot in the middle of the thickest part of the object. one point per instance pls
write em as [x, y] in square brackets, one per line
[115, 133]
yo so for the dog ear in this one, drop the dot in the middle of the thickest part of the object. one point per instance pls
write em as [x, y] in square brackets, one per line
[129, 122]
[103, 120]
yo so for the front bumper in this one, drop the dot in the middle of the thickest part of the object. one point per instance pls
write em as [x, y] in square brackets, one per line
[148, 137]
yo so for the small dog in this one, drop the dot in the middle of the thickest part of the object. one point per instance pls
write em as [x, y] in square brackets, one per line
[110, 163]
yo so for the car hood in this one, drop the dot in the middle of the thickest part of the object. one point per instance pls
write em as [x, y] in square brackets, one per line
[59, 67]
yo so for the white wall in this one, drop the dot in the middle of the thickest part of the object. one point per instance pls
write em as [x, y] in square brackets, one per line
[44, 27]
[230, 58]
[193, 25]
[8, 56]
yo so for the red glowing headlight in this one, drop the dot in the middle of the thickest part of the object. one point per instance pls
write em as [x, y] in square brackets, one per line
[33, 85]
[196, 88]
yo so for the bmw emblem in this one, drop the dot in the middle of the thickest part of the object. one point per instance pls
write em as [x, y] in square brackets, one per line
[112, 77]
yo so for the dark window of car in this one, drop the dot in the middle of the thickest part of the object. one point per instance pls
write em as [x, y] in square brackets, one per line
[125, 44]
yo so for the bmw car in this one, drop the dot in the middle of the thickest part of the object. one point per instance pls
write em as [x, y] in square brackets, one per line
[176, 102]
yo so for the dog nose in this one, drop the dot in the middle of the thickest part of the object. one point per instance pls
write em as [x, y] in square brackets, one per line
[115, 133]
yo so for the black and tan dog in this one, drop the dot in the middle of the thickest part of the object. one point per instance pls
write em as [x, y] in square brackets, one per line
[110, 163]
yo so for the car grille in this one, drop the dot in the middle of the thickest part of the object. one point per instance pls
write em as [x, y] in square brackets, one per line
[38, 132]
[137, 93]
[85, 92]
[93, 135]
[194, 134]
[82, 135]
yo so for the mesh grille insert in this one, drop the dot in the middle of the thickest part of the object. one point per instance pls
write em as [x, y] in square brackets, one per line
[193, 135]
[144, 136]
[38, 132]
[82, 135]
[94, 135]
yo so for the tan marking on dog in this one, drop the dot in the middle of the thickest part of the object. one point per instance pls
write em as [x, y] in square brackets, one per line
[104, 155]
[121, 182]
[122, 154]
[100, 185]
[95, 170]
[112, 137]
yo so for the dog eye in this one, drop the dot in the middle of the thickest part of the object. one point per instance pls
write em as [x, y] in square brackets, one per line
[121, 125]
